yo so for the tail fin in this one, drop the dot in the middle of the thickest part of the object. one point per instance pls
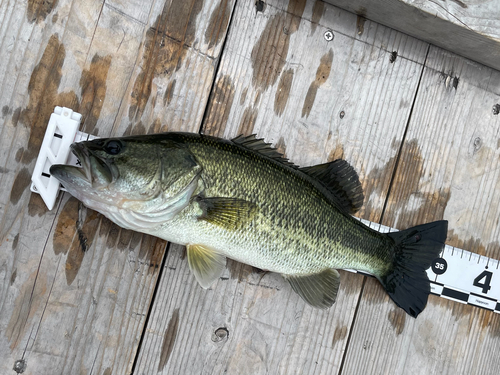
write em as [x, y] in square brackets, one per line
[415, 249]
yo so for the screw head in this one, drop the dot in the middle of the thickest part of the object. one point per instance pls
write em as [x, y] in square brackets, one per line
[496, 109]
[329, 35]
[20, 366]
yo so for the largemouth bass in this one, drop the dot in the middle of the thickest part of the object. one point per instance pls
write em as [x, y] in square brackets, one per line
[241, 199]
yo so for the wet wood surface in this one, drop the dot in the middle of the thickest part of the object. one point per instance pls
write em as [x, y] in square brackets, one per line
[469, 28]
[419, 124]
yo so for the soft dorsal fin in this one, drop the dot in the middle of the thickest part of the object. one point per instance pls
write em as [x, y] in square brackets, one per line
[251, 142]
[342, 181]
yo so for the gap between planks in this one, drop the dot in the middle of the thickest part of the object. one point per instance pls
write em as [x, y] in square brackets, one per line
[168, 246]
[389, 189]
[150, 308]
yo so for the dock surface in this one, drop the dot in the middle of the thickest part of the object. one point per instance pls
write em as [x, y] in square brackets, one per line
[420, 124]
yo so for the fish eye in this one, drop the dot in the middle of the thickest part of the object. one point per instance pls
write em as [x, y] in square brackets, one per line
[113, 147]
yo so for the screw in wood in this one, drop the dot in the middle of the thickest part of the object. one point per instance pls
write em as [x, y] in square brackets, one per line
[329, 35]
[19, 366]
[496, 109]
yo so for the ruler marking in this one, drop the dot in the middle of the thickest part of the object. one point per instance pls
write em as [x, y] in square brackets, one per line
[455, 294]
[435, 282]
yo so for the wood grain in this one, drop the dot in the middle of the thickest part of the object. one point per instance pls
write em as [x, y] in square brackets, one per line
[418, 123]
[448, 168]
[280, 78]
[468, 28]
[64, 309]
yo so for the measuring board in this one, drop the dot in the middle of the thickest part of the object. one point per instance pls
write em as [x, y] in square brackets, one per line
[456, 274]
[62, 131]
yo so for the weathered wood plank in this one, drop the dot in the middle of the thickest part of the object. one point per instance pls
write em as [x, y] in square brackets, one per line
[64, 310]
[47, 304]
[316, 100]
[449, 167]
[248, 323]
[170, 87]
[468, 28]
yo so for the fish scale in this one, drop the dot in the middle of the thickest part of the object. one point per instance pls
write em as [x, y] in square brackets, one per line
[308, 242]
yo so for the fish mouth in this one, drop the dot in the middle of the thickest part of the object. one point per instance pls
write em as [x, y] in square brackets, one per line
[94, 171]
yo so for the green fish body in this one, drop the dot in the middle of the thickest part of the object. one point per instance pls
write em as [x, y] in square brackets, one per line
[241, 199]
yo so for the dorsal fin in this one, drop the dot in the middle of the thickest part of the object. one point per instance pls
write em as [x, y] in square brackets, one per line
[342, 181]
[251, 142]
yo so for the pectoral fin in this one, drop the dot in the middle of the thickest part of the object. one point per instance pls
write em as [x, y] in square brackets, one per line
[206, 264]
[319, 289]
[230, 213]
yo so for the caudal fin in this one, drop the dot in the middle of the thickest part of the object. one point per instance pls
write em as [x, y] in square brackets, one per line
[415, 249]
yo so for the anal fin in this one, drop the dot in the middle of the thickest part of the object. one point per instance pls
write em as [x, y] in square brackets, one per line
[206, 264]
[319, 289]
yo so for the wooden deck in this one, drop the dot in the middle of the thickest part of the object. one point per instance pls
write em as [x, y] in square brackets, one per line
[419, 124]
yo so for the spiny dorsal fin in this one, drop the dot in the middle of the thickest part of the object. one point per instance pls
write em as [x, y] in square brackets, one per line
[251, 142]
[230, 213]
[319, 289]
[342, 181]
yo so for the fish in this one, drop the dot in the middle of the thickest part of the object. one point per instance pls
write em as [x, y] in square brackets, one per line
[242, 199]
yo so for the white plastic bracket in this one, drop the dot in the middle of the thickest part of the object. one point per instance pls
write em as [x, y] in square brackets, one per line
[61, 132]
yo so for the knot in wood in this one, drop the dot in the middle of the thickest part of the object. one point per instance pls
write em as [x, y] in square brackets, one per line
[477, 144]
[220, 334]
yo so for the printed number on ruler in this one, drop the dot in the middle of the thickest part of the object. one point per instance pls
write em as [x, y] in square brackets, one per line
[466, 277]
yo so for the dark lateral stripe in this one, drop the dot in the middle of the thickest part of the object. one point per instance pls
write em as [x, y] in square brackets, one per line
[45, 174]
[455, 294]
[57, 135]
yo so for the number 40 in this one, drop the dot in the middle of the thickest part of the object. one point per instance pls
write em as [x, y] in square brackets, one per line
[485, 285]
